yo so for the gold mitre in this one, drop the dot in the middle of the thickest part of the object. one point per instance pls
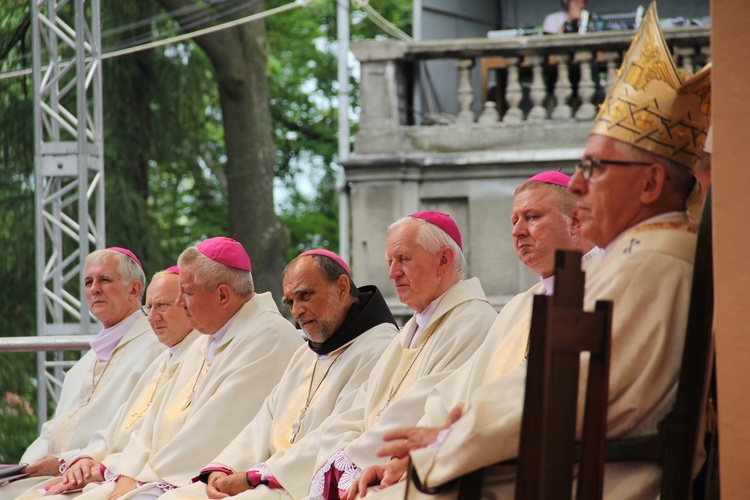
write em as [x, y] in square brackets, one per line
[653, 106]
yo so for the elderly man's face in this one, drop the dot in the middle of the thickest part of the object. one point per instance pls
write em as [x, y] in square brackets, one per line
[539, 228]
[318, 307]
[171, 326]
[200, 306]
[110, 299]
[609, 202]
[413, 270]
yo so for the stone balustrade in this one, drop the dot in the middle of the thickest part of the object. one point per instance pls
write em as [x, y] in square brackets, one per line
[533, 79]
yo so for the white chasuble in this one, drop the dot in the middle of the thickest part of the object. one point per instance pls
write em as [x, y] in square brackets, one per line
[504, 350]
[128, 418]
[272, 428]
[93, 392]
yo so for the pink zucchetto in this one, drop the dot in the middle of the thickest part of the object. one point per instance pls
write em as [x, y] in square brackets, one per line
[172, 270]
[227, 251]
[443, 221]
[330, 255]
[127, 252]
[551, 177]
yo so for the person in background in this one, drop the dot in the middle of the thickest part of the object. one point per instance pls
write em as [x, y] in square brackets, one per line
[565, 21]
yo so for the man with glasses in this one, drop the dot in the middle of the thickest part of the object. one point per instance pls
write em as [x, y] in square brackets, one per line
[632, 188]
[102, 380]
[221, 384]
[171, 327]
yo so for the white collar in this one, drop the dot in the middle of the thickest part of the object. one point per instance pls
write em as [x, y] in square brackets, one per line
[549, 282]
[106, 341]
[217, 337]
[423, 318]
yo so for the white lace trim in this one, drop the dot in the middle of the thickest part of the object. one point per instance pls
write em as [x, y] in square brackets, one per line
[213, 466]
[263, 470]
[109, 476]
[341, 463]
[165, 486]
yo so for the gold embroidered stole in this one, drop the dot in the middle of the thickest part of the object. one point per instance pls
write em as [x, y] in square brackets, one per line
[175, 410]
[289, 416]
[94, 385]
[510, 352]
[406, 372]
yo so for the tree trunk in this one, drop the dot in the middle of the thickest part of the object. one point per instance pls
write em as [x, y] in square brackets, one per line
[239, 58]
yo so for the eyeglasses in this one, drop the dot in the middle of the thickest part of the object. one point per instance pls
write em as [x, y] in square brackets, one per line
[588, 165]
[160, 308]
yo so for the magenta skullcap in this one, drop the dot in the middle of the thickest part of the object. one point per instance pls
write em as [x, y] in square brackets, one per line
[172, 270]
[443, 221]
[551, 177]
[127, 252]
[327, 253]
[227, 251]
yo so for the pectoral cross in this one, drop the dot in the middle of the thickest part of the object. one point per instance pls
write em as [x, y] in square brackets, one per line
[134, 418]
[298, 425]
[380, 411]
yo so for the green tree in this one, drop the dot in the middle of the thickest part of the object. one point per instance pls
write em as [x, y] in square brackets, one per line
[17, 264]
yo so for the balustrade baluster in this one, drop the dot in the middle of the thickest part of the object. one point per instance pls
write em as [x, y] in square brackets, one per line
[513, 92]
[685, 58]
[489, 115]
[563, 89]
[538, 90]
[465, 92]
[586, 87]
[611, 59]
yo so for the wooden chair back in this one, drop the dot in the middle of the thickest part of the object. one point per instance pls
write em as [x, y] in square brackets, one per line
[560, 332]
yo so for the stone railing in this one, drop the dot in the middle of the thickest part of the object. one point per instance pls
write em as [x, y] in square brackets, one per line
[510, 81]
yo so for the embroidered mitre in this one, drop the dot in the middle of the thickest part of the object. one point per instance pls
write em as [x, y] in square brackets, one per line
[654, 106]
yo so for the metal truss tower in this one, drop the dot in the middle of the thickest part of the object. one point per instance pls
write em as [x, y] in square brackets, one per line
[69, 170]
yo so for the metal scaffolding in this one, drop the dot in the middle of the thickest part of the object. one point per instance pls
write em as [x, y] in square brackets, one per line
[69, 171]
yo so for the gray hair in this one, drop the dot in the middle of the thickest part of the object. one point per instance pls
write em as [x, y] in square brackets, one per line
[681, 178]
[127, 268]
[566, 201]
[433, 239]
[329, 268]
[209, 274]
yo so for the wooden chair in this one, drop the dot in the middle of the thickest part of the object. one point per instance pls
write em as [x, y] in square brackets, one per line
[560, 331]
